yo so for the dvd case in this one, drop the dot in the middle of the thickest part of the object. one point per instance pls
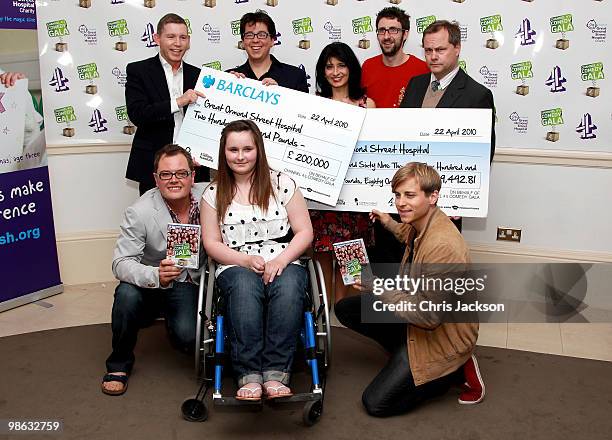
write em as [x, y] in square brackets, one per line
[183, 245]
[352, 259]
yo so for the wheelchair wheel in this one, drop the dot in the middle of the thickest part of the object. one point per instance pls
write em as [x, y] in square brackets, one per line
[194, 410]
[312, 412]
[320, 301]
[204, 330]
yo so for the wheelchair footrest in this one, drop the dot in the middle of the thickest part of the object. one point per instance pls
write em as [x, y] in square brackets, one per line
[232, 401]
[301, 397]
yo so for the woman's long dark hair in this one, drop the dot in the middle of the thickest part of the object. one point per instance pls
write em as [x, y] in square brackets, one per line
[342, 52]
[261, 186]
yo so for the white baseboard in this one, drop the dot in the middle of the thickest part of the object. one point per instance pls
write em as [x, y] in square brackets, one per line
[85, 257]
[513, 253]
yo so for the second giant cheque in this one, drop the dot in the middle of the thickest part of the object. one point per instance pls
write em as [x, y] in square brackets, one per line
[307, 137]
[456, 142]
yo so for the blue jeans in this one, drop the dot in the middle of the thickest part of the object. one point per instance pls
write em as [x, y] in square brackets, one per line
[136, 307]
[263, 321]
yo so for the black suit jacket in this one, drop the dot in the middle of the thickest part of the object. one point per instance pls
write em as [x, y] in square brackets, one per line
[462, 92]
[148, 106]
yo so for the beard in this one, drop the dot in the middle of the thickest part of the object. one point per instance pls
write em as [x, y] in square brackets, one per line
[391, 51]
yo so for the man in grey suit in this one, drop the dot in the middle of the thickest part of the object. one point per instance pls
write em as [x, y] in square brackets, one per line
[150, 284]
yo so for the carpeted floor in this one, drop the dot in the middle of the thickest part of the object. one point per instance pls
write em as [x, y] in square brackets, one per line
[55, 375]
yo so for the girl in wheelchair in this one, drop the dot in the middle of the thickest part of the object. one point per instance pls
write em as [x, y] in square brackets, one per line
[255, 225]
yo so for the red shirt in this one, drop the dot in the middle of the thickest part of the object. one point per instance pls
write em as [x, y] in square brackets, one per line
[386, 85]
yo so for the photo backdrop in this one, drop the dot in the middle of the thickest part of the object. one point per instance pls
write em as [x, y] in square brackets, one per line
[546, 62]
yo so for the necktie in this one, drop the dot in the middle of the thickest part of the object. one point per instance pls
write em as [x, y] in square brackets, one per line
[435, 85]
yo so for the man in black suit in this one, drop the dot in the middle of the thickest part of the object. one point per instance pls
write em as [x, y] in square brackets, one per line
[157, 93]
[448, 86]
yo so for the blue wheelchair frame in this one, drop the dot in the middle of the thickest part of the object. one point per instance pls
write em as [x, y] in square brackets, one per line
[210, 348]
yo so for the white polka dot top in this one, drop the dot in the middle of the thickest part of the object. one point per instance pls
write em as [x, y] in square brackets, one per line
[247, 229]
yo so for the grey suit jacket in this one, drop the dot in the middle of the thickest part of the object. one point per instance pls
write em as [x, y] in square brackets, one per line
[142, 242]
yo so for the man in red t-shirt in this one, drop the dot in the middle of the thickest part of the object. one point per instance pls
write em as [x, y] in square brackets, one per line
[385, 77]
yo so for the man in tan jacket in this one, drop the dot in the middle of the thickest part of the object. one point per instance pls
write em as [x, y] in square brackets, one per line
[429, 350]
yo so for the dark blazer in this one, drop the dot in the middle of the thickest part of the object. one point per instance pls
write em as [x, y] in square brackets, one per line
[148, 106]
[462, 92]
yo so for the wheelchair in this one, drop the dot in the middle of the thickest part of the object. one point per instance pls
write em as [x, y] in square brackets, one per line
[210, 352]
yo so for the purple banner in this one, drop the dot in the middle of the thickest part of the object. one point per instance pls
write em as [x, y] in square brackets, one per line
[28, 252]
[17, 14]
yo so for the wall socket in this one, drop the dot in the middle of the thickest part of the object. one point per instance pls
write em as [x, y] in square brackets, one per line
[509, 234]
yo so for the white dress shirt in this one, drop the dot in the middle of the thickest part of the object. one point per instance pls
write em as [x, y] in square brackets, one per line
[444, 82]
[175, 87]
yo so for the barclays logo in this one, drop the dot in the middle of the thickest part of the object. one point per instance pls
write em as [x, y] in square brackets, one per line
[249, 92]
[208, 81]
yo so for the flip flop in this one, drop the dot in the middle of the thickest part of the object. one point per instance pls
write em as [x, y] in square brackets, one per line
[277, 388]
[251, 391]
[114, 378]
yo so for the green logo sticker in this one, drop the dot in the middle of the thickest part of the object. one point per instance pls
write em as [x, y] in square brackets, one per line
[88, 71]
[521, 70]
[188, 26]
[57, 28]
[236, 27]
[552, 117]
[121, 113]
[463, 65]
[64, 114]
[353, 267]
[117, 28]
[561, 24]
[362, 25]
[423, 22]
[490, 24]
[182, 250]
[302, 26]
[213, 65]
[592, 72]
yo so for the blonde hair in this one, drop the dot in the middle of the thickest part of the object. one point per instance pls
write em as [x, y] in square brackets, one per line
[426, 176]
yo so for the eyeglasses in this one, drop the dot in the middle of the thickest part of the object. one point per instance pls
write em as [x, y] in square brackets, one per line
[261, 35]
[391, 30]
[167, 175]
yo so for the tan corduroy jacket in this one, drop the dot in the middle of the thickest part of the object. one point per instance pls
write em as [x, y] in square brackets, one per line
[435, 348]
